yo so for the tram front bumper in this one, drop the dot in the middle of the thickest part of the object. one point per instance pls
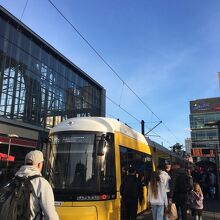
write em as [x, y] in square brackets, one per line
[78, 213]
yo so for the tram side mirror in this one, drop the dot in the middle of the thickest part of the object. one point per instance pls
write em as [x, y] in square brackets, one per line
[101, 146]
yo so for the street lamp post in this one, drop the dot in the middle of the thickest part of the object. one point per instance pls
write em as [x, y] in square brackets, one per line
[9, 145]
[216, 123]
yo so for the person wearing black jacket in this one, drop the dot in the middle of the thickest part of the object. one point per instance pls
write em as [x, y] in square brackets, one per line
[131, 191]
[180, 187]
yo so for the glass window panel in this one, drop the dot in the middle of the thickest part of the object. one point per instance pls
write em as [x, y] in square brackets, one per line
[11, 33]
[3, 27]
[1, 42]
[35, 50]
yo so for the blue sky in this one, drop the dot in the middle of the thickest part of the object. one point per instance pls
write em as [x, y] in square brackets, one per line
[168, 52]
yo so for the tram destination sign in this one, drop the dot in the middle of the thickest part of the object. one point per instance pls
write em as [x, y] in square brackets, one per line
[203, 152]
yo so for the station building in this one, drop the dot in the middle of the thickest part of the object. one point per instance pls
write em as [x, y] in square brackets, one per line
[204, 138]
[39, 88]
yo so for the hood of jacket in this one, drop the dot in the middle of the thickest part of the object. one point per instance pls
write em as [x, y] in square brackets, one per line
[28, 170]
[164, 174]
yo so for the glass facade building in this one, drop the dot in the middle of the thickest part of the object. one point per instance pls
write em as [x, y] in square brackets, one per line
[37, 84]
[39, 88]
[204, 138]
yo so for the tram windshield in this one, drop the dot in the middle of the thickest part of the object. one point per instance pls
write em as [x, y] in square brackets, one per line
[75, 163]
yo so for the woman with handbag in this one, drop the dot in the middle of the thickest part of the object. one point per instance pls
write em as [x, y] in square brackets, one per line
[157, 197]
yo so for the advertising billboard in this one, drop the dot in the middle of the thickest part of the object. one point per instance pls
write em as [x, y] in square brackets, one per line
[203, 152]
[205, 105]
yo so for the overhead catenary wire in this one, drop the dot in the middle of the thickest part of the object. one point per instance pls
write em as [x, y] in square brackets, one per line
[123, 109]
[25, 6]
[138, 121]
[121, 94]
[111, 68]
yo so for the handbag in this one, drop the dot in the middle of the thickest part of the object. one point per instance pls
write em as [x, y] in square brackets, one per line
[171, 212]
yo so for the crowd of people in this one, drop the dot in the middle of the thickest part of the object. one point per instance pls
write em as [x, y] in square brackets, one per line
[207, 180]
[169, 186]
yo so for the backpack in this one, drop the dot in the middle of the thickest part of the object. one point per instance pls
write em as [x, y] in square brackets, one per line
[15, 198]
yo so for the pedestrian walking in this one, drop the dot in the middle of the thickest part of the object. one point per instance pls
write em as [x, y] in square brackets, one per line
[196, 198]
[180, 187]
[42, 199]
[157, 197]
[131, 191]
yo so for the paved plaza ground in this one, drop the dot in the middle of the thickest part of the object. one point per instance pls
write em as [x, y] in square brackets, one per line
[211, 211]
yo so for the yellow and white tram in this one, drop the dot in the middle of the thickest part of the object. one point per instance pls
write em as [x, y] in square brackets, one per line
[87, 160]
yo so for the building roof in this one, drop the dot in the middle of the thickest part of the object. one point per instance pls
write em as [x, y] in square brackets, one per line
[45, 45]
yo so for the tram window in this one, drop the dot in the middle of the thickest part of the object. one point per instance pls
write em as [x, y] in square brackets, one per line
[106, 163]
[74, 164]
[108, 170]
[123, 159]
[140, 161]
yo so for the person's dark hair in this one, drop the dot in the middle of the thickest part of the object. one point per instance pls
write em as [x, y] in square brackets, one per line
[153, 184]
[160, 167]
[167, 163]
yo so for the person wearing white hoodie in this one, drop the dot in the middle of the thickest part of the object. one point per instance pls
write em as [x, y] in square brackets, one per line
[165, 179]
[157, 197]
[42, 200]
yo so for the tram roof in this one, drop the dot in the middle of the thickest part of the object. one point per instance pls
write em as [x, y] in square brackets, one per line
[97, 124]
[163, 150]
